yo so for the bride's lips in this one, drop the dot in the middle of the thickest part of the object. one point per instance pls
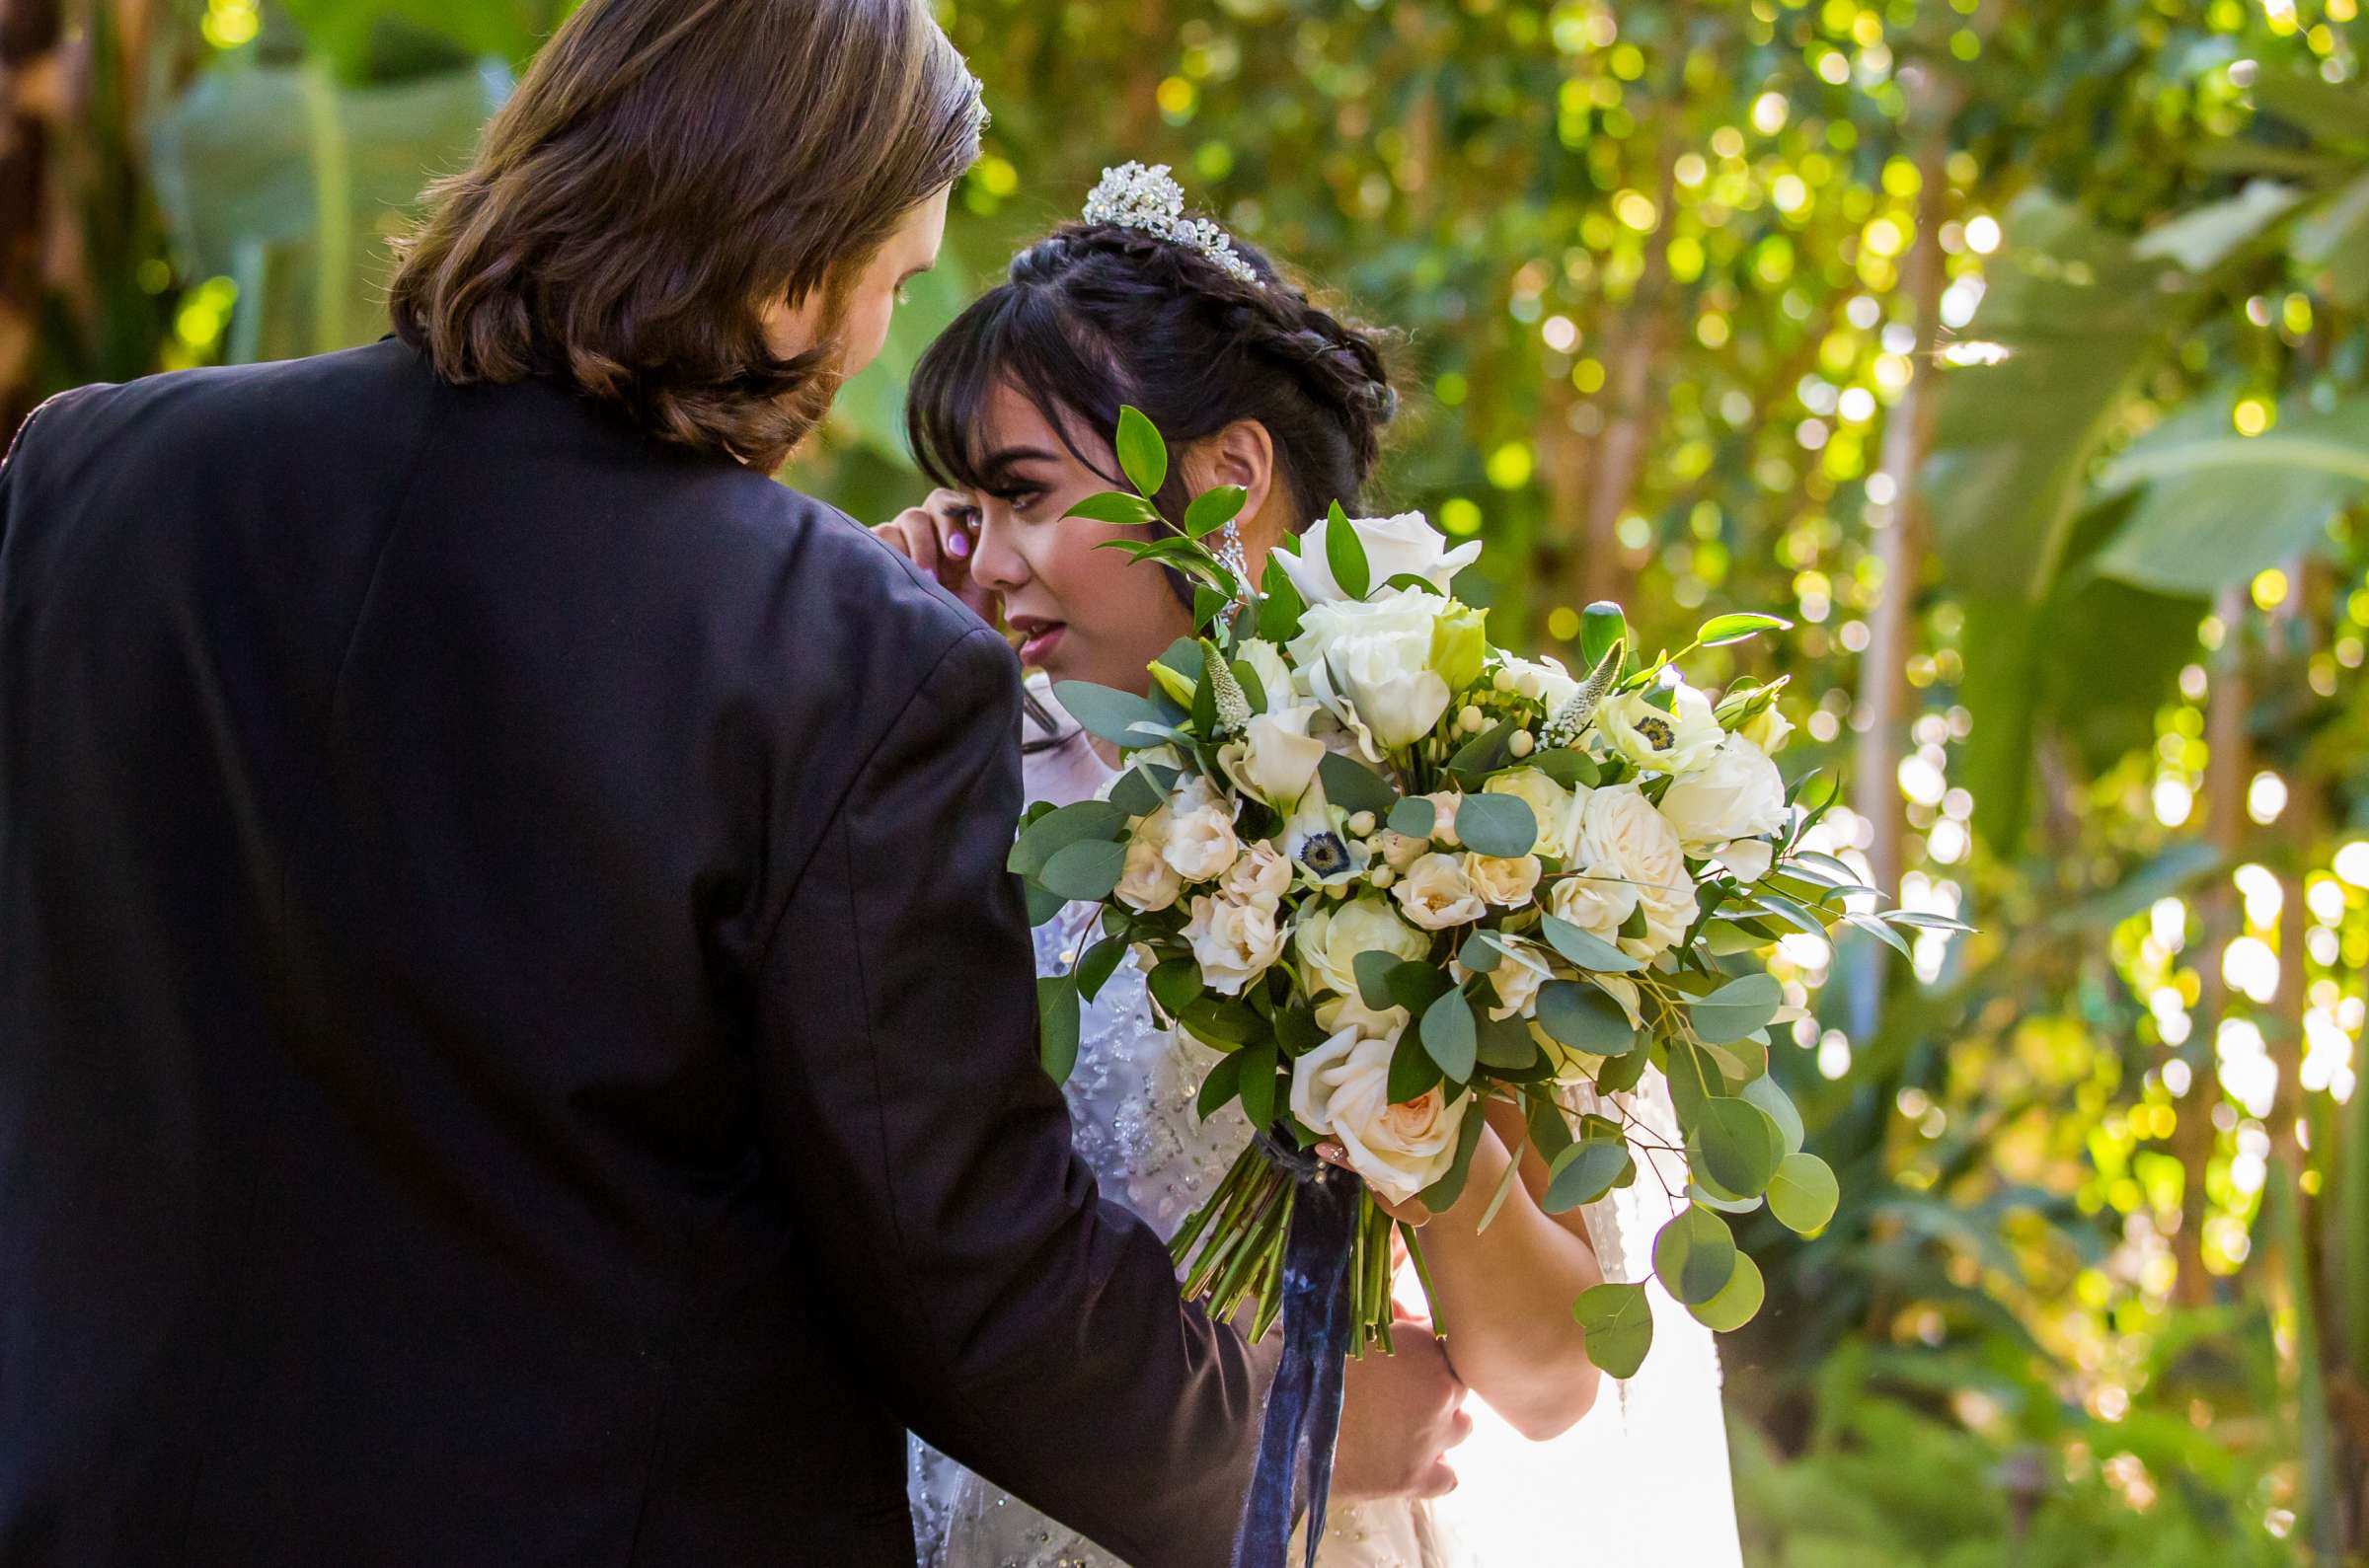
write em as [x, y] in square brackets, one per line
[1039, 638]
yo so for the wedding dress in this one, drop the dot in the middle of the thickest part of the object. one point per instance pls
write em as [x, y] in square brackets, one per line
[1642, 1477]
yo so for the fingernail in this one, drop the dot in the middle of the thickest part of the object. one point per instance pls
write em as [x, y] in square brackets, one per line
[958, 544]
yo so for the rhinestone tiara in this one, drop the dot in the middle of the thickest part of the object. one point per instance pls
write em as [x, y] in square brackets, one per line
[1133, 196]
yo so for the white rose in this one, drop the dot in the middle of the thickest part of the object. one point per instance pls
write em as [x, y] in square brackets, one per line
[1444, 805]
[1556, 809]
[1332, 936]
[1622, 836]
[1341, 1089]
[1658, 742]
[1737, 793]
[1260, 876]
[1370, 663]
[1405, 545]
[1504, 883]
[1147, 882]
[1436, 894]
[1598, 908]
[1199, 842]
[1335, 1013]
[1544, 681]
[1275, 758]
[1233, 944]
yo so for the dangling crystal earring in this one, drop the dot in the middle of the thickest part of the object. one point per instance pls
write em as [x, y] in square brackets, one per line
[1230, 553]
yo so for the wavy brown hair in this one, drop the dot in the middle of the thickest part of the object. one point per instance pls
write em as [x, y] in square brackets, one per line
[667, 171]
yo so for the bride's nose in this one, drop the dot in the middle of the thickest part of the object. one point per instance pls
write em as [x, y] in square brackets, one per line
[994, 563]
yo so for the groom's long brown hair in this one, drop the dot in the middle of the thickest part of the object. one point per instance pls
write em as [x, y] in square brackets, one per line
[667, 171]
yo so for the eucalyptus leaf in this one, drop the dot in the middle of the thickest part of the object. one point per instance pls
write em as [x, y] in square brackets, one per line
[1620, 1326]
[1083, 822]
[1086, 870]
[1736, 1304]
[1587, 949]
[1372, 969]
[1413, 816]
[1501, 826]
[1695, 1255]
[1442, 1194]
[1106, 711]
[1804, 1193]
[1741, 1147]
[1736, 1008]
[1449, 1035]
[1585, 1018]
[1353, 786]
[1585, 1172]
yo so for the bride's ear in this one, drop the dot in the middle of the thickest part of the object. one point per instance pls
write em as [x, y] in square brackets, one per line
[1243, 454]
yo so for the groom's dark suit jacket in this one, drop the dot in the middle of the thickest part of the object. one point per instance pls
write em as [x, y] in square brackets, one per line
[516, 1044]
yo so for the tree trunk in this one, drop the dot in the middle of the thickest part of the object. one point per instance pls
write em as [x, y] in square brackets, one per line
[1880, 713]
[2228, 768]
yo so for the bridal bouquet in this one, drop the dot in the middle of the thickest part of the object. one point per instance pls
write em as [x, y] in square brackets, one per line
[1387, 873]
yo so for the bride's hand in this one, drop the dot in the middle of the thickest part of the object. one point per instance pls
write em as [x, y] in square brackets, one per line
[1399, 1415]
[939, 536]
[1489, 1159]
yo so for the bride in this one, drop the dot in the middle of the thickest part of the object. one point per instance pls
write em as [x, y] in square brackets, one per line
[1253, 385]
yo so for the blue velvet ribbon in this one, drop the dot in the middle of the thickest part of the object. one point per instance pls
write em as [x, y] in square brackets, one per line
[1303, 1406]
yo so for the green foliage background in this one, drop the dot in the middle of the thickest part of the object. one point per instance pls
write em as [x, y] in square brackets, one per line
[2015, 349]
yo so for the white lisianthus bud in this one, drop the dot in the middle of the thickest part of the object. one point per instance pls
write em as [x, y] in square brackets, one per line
[1277, 757]
[1233, 944]
[1395, 547]
[1436, 894]
[1769, 729]
[1258, 875]
[1469, 721]
[1383, 876]
[1341, 1089]
[1274, 675]
[1361, 823]
[1504, 883]
[1658, 742]
[1622, 836]
[1737, 793]
[1201, 842]
[1147, 882]
[1330, 939]
[1554, 808]
[1520, 743]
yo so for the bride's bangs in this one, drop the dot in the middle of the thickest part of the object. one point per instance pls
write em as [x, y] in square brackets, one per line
[1015, 335]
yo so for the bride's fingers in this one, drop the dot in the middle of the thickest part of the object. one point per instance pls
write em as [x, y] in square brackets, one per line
[1411, 1212]
[1437, 1481]
[1459, 1427]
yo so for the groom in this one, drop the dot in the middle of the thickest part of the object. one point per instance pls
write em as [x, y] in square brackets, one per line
[515, 1039]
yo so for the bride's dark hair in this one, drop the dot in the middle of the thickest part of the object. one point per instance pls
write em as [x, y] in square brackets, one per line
[1096, 315]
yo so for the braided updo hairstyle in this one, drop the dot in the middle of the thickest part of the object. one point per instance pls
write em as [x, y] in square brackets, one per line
[1095, 315]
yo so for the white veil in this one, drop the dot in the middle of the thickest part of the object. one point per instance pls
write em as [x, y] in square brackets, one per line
[1644, 1476]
